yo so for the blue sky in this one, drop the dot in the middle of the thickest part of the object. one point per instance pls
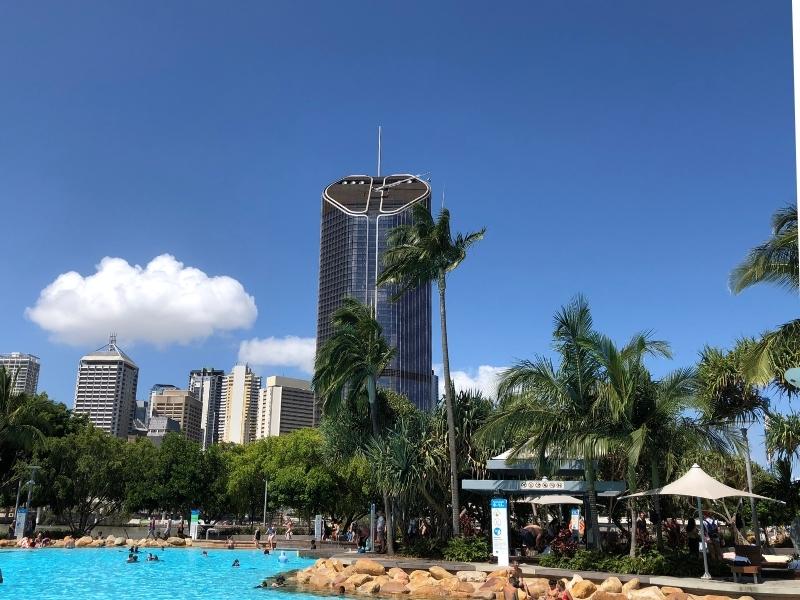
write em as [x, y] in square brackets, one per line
[628, 151]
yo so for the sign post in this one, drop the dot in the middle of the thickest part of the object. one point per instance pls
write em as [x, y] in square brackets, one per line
[318, 528]
[194, 524]
[499, 508]
[22, 521]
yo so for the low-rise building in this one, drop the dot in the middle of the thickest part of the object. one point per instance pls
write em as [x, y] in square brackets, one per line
[283, 406]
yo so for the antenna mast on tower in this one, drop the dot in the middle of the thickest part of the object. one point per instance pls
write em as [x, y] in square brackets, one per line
[379, 150]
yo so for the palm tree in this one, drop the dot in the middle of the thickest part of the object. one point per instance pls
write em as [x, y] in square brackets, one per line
[783, 435]
[774, 261]
[21, 422]
[417, 254]
[348, 366]
[547, 410]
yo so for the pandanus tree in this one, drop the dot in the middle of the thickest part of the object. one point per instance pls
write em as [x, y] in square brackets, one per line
[548, 410]
[417, 254]
[348, 366]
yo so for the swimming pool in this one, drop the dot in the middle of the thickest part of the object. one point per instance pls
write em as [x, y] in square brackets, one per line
[103, 574]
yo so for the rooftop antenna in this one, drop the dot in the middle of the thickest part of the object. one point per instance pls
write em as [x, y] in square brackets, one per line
[379, 150]
[443, 196]
[112, 339]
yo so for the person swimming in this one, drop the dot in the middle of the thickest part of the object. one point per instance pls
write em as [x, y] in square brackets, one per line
[235, 563]
[132, 558]
[204, 553]
[280, 581]
[283, 557]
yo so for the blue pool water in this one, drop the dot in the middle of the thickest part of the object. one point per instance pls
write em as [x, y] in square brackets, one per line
[103, 574]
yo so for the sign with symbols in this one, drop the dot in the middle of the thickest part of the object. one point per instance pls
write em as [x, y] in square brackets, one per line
[22, 518]
[541, 484]
[499, 507]
[194, 523]
[575, 519]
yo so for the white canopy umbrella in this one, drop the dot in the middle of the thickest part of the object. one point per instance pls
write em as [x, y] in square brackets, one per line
[699, 484]
[555, 499]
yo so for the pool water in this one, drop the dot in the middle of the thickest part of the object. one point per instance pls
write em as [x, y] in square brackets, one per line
[180, 574]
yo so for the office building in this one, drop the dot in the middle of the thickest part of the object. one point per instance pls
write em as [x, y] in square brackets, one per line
[141, 414]
[157, 389]
[159, 427]
[206, 383]
[284, 405]
[357, 214]
[24, 369]
[182, 406]
[239, 405]
[105, 390]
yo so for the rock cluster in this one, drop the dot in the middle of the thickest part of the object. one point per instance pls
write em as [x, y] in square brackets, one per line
[111, 541]
[368, 577]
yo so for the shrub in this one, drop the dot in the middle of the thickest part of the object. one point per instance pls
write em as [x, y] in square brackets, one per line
[423, 548]
[650, 562]
[467, 549]
[564, 544]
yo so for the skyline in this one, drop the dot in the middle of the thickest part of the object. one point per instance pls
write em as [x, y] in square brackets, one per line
[623, 152]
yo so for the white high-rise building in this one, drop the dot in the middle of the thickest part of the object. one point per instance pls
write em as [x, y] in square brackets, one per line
[239, 405]
[206, 383]
[284, 405]
[24, 369]
[106, 389]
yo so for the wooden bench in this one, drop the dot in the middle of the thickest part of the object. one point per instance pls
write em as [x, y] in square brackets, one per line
[753, 570]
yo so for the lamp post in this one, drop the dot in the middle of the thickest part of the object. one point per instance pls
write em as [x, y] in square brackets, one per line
[753, 512]
[30, 485]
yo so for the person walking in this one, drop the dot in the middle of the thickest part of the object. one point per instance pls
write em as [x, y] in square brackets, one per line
[271, 537]
[380, 533]
[151, 530]
[289, 525]
[257, 537]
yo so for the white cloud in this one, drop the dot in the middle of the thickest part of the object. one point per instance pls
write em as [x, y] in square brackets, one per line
[290, 351]
[484, 379]
[162, 303]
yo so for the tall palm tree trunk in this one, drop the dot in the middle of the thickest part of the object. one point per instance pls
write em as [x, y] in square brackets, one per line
[372, 395]
[448, 402]
[632, 505]
[594, 522]
[655, 482]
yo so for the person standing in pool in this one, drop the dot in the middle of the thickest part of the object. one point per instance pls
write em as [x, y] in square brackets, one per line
[257, 537]
[151, 529]
[271, 537]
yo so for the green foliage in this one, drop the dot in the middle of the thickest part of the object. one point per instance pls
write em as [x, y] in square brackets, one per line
[430, 547]
[467, 549]
[651, 562]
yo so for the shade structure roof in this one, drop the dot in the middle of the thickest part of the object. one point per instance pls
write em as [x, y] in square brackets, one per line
[556, 499]
[697, 482]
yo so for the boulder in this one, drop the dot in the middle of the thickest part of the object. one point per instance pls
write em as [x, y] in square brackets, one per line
[716, 597]
[398, 574]
[604, 595]
[464, 587]
[668, 589]
[303, 577]
[368, 567]
[746, 598]
[320, 580]
[120, 541]
[575, 579]
[370, 587]
[440, 573]
[188, 541]
[357, 579]
[336, 565]
[430, 590]
[483, 595]
[582, 589]
[176, 541]
[631, 585]
[418, 573]
[418, 582]
[473, 576]
[678, 596]
[84, 541]
[110, 540]
[612, 584]
[394, 587]
[493, 584]
[499, 574]
[56, 544]
[649, 593]
[538, 586]
[97, 544]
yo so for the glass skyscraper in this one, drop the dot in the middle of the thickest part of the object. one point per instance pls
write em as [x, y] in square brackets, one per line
[357, 214]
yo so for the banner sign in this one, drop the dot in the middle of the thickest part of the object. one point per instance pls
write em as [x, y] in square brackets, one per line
[194, 524]
[318, 528]
[22, 518]
[575, 519]
[499, 508]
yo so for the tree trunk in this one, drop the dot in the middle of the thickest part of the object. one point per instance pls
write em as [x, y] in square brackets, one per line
[594, 521]
[372, 396]
[632, 505]
[448, 402]
[655, 482]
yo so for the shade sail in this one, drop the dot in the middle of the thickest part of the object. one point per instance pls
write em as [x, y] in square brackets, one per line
[556, 499]
[698, 483]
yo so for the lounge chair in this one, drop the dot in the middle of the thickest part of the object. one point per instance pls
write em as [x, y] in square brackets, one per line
[759, 564]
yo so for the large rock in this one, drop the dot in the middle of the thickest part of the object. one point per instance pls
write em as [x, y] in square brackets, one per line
[416, 573]
[368, 567]
[716, 597]
[370, 587]
[110, 540]
[582, 589]
[357, 579]
[612, 584]
[394, 587]
[668, 589]
[604, 595]
[398, 574]
[120, 541]
[97, 544]
[430, 590]
[440, 573]
[679, 596]
[418, 582]
[484, 594]
[493, 584]
[320, 580]
[649, 593]
[473, 576]
[84, 541]
[575, 579]
[631, 585]
[538, 586]
[499, 574]
[176, 541]
[303, 577]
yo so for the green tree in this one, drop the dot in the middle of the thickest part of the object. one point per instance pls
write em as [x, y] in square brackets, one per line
[348, 367]
[82, 477]
[419, 254]
[548, 410]
[23, 419]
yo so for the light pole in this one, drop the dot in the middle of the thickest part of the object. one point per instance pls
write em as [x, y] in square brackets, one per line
[266, 483]
[30, 484]
[750, 489]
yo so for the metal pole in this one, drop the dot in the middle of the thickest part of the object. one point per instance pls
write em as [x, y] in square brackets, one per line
[750, 489]
[372, 527]
[266, 482]
[706, 574]
[379, 150]
[16, 505]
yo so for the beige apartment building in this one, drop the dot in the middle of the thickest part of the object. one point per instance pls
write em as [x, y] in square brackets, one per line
[239, 405]
[183, 407]
[284, 405]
